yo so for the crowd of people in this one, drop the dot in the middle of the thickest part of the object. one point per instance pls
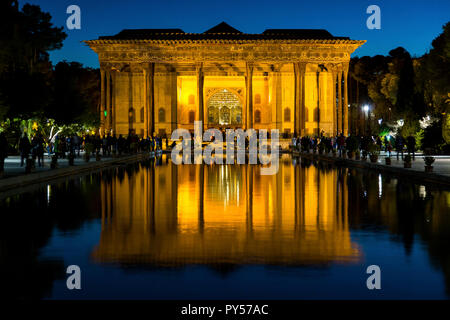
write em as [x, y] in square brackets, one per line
[361, 143]
[62, 146]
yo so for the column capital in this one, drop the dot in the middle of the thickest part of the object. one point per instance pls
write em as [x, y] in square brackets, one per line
[345, 66]
[199, 67]
[302, 67]
[108, 67]
[147, 67]
[276, 67]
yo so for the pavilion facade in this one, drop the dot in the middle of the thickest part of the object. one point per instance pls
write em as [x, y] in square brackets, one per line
[156, 80]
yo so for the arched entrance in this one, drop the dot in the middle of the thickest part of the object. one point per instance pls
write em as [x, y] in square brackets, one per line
[224, 109]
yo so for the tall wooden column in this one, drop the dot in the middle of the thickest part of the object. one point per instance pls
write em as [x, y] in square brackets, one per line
[318, 101]
[278, 98]
[345, 107]
[297, 98]
[108, 102]
[266, 103]
[102, 101]
[151, 98]
[113, 101]
[200, 80]
[146, 100]
[249, 94]
[174, 101]
[333, 89]
[302, 75]
[339, 113]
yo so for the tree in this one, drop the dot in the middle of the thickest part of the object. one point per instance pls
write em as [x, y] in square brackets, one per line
[26, 36]
[436, 72]
[76, 94]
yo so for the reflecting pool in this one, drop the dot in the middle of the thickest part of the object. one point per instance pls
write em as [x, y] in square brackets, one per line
[154, 230]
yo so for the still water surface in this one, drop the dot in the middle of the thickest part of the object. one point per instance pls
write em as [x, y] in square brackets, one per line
[154, 230]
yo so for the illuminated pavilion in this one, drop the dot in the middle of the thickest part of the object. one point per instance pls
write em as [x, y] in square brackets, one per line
[157, 80]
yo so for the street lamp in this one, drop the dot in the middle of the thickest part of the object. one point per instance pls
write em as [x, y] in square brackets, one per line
[365, 108]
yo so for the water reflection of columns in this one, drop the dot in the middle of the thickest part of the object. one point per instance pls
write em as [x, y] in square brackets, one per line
[249, 190]
[173, 222]
[319, 198]
[278, 212]
[201, 218]
[200, 84]
[299, 197]
[342, 199]
[151, 198]
[107, 204]
[345, 195]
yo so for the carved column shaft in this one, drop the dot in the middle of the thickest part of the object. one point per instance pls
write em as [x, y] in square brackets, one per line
[339, 113]
[278, 99]
[302, 72]
[334, 127]
[146, 101]
[102, 99]
[200, 80]
[151, 98]
[174, 101]
[318, 101]
[345, 126]
[113, 101]
[297, 98]
[249, 94]
[108, 102]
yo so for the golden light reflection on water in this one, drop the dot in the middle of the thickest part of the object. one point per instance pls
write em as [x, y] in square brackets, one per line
[197, 214]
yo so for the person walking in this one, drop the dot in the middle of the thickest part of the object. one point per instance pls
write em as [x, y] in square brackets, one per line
[24, 148]
[389, 148]
[399, 143]
[105, 145]
[379, 143]
[76, 144]
[411, 146]
[341, 143]
[120, 144]
[38, 149]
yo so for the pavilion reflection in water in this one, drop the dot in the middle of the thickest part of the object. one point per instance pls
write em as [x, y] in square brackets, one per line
[226, 214]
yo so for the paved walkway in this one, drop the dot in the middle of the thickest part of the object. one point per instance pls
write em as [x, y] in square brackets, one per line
[441, 164]
[15, 177]
[13, 168]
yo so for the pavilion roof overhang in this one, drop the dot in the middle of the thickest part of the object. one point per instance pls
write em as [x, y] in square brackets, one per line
[230, 41]
[222, 33]
[223, 42]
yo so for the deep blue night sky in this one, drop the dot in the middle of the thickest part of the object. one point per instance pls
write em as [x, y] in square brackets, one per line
[412, 24]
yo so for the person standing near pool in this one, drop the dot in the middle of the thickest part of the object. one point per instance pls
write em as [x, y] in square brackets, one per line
[399, 143]
[411, 146]
[24, 148]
